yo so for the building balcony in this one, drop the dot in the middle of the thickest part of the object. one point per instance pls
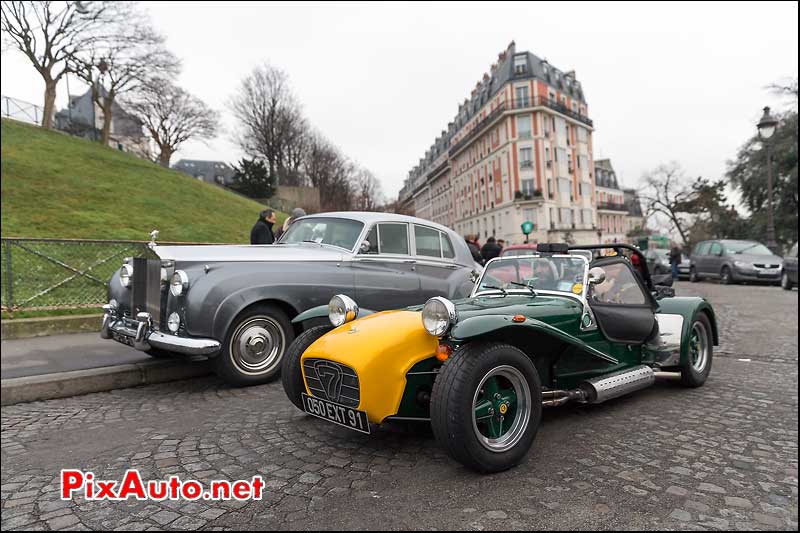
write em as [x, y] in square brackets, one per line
[526, 163]
[609, 206]
[542, 101]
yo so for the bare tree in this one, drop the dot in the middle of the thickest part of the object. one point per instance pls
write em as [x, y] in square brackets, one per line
[270, 118]
[124, 60]
[172, 116]
[367, 194]
[49, 34]
[331, 172]
[667, 193]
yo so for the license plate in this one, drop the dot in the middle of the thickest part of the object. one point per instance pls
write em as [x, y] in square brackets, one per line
[769, 272]
[124, 339]
[338, 414]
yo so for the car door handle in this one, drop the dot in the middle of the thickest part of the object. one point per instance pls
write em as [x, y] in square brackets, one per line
[409, 261]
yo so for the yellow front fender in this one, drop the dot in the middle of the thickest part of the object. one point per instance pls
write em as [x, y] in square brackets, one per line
[381, 348]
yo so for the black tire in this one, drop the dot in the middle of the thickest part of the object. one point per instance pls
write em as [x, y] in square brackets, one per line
[158, 353]
[292, 373]
[231, 364]
[694, 277]
[726, 276]
[691, 376]
[786, 283]
[452, 405]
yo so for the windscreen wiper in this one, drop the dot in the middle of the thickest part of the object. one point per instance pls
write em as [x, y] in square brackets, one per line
[494, 287]
[533, 291]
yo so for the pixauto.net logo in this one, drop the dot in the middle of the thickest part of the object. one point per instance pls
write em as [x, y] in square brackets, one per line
[131, 486]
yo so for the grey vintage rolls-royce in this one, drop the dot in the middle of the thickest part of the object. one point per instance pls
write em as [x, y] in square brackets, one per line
[235, 304]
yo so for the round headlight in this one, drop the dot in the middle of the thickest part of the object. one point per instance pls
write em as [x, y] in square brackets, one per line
[126, 275]
[179, 283]
[438, 315]
[341, 310]
[174, 322]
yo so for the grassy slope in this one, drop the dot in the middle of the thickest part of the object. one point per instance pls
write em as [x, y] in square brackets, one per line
[54, 185]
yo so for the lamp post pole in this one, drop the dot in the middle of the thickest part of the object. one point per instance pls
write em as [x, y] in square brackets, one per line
[766, 128]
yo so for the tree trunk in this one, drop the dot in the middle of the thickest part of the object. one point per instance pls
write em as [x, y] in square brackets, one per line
[164, 156]
[106, 136]
[49, 104]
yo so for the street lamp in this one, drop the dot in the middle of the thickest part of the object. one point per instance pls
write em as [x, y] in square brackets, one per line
[766, 128]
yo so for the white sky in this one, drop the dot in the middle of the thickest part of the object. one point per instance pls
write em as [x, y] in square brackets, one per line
[662, 81]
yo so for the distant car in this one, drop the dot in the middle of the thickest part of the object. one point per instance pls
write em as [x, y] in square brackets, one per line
[789, 275]
[515, 250]
[235, 304]
[733, 261]
[658, 262]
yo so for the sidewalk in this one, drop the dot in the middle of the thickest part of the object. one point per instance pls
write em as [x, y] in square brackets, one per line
[63, 353]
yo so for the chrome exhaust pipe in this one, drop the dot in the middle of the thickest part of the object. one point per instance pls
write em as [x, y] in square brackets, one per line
[616, 384]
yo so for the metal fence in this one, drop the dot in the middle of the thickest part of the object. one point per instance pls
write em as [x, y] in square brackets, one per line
[50, 274]
[21, 110]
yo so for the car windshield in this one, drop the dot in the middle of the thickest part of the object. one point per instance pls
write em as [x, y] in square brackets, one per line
[339, 232]
[749, 248]
[560, 273]
[516, 252]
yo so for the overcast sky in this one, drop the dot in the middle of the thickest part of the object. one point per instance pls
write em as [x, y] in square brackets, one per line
[662, 81]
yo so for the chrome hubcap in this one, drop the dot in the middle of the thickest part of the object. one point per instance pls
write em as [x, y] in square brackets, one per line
[698, 347]
[501, 408]
[257, 345]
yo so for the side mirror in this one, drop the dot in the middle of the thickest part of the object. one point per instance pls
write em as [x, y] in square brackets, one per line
[474, 276]
[596, 275]
[365, 247]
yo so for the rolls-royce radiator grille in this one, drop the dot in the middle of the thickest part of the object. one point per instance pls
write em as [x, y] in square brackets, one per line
[146, 289]
[332, 381]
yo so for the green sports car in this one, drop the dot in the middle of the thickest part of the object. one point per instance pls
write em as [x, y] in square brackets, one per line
[558, 325]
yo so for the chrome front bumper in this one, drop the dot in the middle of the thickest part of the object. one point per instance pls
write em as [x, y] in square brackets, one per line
[141, 334]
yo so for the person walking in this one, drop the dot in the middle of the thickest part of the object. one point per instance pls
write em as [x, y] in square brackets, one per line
[473, 249]
[297, 212]
[490, 250]
[675, 260]
[262, 230]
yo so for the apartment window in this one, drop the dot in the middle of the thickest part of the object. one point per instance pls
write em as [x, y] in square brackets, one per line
[527, 187]
[583, 161]
[585, 189]
[524, 127]
[520, 64]
[529, 215]
[564, 186]
[522, 96]
[565, 215]
[552, 97]
[526, 157]
[561, 155]
[561, 127]
[582, 135]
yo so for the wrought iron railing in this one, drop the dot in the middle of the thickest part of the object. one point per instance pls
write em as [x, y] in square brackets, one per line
[610, 206]
[21, 110]
[50, 274]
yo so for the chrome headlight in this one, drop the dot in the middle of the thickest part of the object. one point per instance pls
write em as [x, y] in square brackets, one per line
[126, 275]
[179, 283]
[174, 322]
[742, 264]
[438, 316]
[341, 310]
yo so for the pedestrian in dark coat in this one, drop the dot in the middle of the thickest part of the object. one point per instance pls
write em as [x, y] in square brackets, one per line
[490, 250]
[473, 249]
[675, 260]
[297, 212]
[262, 230]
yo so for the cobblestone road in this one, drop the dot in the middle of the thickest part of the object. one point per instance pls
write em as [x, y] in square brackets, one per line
[720, 457]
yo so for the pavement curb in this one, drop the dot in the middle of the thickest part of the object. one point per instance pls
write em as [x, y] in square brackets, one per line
[25, 328]
[76, 382]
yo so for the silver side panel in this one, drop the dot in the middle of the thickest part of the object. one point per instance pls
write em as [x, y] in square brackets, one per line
[666, 350]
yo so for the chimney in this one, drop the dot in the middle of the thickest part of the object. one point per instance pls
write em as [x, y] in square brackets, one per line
[494, 68]
[485, 77]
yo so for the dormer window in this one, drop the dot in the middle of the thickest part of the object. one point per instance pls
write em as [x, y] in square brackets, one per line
[520, 64]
